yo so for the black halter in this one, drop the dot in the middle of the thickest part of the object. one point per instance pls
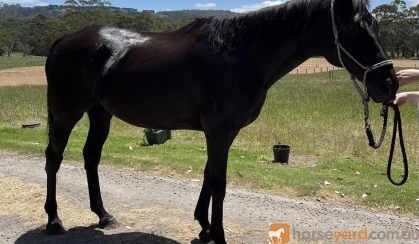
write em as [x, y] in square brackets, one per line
[384, 111]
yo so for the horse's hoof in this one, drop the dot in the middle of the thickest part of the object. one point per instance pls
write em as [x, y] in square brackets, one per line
[219, 239]
[108, 222]
[55, 228]
[205, 236]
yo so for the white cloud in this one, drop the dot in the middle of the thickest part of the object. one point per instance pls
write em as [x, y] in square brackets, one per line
[42, 4]
[26, 2]
[256, 6]
[205, 5]
[413, 3]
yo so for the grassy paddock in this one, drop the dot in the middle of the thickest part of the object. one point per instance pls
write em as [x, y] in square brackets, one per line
[18, 60]
[322, 120]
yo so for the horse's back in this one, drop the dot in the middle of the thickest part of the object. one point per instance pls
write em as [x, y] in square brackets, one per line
[119, 69]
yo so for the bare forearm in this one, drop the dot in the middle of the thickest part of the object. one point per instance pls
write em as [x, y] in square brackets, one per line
[407, 97]
[408, 76]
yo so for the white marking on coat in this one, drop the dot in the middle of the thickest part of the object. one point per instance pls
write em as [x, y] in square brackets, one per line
[119, 41]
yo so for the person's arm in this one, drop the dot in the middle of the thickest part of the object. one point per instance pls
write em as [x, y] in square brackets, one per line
[408, 76]
[406, 97]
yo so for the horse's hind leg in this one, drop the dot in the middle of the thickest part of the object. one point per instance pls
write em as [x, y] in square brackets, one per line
[60, 127]
[98, 132]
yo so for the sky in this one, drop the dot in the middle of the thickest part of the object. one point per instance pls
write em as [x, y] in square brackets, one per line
[159, 5]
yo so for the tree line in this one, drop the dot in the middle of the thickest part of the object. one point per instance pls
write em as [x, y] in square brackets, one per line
[399, 25]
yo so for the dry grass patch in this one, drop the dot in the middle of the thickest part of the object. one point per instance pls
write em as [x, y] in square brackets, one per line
[26, 201]
[23, 76]
[36, 75]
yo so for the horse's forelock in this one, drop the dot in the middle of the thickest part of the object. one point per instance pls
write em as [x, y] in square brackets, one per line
[361, 8]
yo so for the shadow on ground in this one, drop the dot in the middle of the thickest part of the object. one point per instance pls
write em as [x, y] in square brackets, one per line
[82, 235]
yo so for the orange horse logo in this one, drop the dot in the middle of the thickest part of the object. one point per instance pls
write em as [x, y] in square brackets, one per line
[279, 233]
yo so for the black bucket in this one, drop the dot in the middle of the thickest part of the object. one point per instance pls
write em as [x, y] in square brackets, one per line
[281, 153]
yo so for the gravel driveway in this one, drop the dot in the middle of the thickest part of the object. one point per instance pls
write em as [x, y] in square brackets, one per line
[154, 209]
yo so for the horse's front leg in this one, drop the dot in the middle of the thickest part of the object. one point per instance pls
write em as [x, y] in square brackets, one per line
[218, 145]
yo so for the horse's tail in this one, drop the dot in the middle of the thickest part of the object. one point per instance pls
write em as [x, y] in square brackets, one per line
[54, 44]
[47, 66]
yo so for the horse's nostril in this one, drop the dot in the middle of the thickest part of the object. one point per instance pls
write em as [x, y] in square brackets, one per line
[388, 84]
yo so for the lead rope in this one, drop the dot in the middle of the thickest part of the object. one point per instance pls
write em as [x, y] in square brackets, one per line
[397, 125]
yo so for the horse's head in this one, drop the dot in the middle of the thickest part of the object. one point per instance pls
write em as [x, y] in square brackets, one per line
[357, 48]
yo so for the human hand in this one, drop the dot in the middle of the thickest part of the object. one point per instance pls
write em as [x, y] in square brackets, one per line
[408, 76]
[406, 97]
[401, 99]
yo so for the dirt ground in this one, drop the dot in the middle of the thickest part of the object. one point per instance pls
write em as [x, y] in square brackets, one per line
[155, 209]
[36, 75]
[23, 76]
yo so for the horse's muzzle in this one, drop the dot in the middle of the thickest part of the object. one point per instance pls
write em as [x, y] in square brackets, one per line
[385, 91]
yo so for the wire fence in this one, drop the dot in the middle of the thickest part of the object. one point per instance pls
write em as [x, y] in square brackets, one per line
[10, 65]
[333, 73]
[315, 70]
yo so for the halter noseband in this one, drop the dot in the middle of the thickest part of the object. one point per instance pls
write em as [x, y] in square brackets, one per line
[367, 69]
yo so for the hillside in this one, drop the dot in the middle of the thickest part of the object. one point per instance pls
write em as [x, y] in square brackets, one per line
[196, 13]
[55, 11]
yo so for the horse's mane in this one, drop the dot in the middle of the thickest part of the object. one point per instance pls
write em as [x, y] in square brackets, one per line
[221, 30]
[361, 8]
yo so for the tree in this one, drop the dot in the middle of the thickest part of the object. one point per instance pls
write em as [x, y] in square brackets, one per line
[415, 15]
[143, 22]
[40, 35]
[398, 26]
[2, 40]
[86, 3]
[11, 38]
[82, 13]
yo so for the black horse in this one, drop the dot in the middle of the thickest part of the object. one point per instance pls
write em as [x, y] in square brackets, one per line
[211, 75]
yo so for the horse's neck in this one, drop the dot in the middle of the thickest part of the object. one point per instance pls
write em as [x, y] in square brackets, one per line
[280, 39]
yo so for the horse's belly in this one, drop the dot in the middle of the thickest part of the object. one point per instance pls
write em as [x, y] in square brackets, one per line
[154, 110]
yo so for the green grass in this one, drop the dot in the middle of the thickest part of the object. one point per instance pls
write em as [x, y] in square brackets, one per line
[318, 118]
[18, 60]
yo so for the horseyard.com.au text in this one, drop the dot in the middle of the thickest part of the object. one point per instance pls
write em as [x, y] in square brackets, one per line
[282, 233]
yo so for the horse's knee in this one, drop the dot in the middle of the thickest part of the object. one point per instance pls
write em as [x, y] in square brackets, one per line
[53, 161]
[91, 163]
[91, 155]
